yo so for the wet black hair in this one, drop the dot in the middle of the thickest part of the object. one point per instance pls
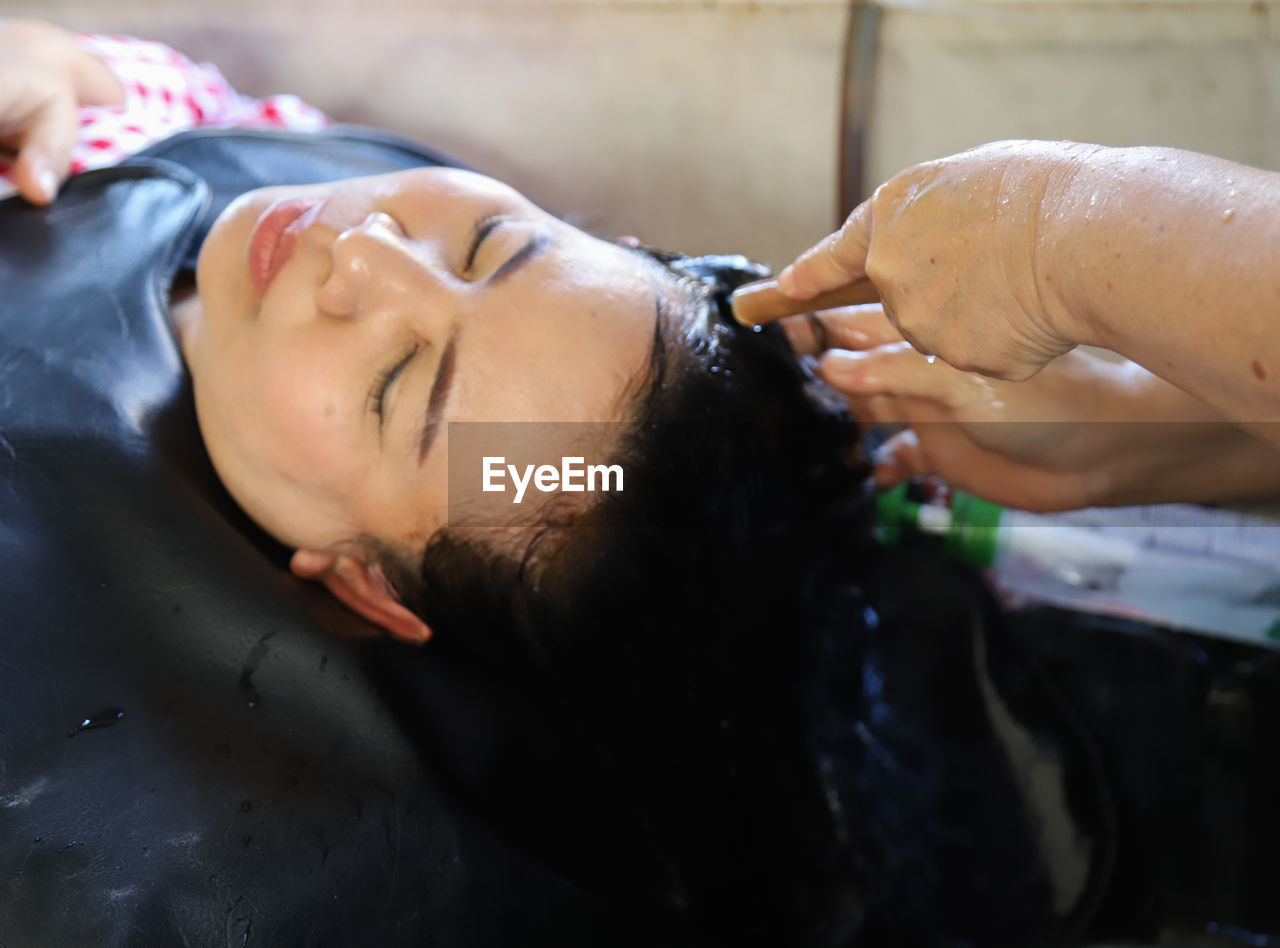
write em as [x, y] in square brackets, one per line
[667, 616]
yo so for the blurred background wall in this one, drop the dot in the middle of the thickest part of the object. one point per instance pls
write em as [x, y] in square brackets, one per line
[1198, 74]
[713, 124]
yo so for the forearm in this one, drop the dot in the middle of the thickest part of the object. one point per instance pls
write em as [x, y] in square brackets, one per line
[1208, 471]
[1173, 260]
[1169, 446]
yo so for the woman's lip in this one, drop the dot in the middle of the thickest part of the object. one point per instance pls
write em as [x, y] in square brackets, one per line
[276, 235]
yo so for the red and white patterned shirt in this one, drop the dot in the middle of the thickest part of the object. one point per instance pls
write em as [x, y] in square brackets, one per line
[165, 93]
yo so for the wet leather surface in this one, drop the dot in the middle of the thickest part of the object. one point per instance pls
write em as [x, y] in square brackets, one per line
[1040, 777]
[979, 803]
[1186, 727]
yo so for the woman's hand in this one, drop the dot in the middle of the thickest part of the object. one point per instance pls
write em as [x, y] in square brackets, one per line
[1083, 432]
[44, 78]
[953, 248]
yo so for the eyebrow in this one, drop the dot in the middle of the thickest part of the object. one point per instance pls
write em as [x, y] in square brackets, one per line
[444, 373]
[436, 401]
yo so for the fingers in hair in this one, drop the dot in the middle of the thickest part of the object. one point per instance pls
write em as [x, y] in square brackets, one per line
[849, 327]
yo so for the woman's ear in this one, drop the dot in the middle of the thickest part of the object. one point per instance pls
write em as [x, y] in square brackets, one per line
[363, 588]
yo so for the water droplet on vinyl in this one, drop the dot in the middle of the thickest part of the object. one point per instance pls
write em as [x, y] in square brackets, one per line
[94, 721]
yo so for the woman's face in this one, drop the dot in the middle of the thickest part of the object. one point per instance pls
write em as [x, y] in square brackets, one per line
[344, 325]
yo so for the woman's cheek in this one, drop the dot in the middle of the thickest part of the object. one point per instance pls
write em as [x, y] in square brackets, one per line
[313, 425]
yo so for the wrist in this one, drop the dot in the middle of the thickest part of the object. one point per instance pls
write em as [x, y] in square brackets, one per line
[1163, 444]
[1060, 256]
[1227, 464]
[1126, 431]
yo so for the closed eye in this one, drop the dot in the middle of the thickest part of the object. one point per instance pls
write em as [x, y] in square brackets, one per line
[484, 227]
[378, 393]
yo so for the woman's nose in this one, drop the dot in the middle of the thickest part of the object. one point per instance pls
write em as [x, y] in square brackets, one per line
[374, 269]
